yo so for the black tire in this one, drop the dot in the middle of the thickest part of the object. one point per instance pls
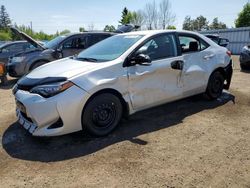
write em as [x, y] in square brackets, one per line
[244, 67]
[215, 85]
[102, 114]
[4, 80]
[37, 64]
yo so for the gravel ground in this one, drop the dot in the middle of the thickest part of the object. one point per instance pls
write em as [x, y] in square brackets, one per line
[188, 143]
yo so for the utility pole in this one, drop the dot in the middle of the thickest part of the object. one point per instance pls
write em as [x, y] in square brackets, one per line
[31, 27]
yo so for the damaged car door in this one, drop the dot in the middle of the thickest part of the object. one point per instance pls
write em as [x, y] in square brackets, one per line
[197, 59]
[156, 81]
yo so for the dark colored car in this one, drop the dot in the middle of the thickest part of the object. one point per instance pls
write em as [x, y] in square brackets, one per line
[218, 40]
[10, 49]
[60, 47]
[245, 58]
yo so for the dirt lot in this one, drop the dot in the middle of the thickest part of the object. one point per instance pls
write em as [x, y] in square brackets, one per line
[189, 143]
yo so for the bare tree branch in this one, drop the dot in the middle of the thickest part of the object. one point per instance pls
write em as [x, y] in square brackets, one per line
[150, 14]
[137, 18]
[165, 14]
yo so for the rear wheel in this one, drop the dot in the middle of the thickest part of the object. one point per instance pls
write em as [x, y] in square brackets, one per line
[215, 85]
[4, 80]
[244, 67]
[102, 114]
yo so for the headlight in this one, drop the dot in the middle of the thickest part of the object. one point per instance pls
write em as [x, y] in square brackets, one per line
[51, 89]
[17, 59]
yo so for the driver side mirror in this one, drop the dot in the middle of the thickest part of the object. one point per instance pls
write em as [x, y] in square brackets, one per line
[59, 53]
[141, 59]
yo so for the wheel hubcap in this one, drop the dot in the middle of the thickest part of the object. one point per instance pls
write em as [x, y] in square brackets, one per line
[217, 86]
[104, 115]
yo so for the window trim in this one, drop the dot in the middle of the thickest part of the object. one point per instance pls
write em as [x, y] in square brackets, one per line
[181, 34]
[126, 62]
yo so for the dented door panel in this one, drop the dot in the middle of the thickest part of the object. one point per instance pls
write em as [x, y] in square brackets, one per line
[155, 84]
[193, 78]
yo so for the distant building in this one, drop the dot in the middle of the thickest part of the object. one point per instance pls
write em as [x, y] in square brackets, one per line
[238, 37]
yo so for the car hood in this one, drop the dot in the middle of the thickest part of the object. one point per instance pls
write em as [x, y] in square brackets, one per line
[27, 38]
[67, 68]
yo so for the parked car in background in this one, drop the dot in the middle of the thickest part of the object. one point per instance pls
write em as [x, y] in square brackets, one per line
[3, 73]
[60, 47]
[8, 50]
[218, 40]
[245, 58]
[119, 76]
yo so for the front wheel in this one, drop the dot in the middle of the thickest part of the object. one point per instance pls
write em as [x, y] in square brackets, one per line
[102, 114]
[37, 64]
[215, 85]
[4, 80]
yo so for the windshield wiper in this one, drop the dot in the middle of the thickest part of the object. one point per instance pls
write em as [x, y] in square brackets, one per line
[86, 59]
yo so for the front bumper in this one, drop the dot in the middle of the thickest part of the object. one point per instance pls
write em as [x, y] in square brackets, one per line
[245, 59]
[42, 113]
[29, 126]
[15, 69]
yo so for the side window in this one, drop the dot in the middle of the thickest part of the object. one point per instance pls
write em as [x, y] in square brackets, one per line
[68, 44]
[191, 44]
[13, 48]
[80, 42]
[27, 46]
[159, 47]
[75, 43]
[97, 38]
[203, 45]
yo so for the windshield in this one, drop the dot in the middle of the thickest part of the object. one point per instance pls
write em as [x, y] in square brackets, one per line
[54, 42]
[109, 49]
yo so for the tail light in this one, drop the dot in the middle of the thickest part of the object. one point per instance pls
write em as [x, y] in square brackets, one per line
[2, 69]
[229, 53]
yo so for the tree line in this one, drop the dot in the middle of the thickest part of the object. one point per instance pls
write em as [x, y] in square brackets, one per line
[152, 16]
[201, 23]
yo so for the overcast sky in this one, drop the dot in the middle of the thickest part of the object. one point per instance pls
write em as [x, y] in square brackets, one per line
[53, 15]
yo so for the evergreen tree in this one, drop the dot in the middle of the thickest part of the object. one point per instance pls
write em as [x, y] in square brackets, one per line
[126, 16]
[4, 18]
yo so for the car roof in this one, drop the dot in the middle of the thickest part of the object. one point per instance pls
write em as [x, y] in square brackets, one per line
[153, 32]
[12, 43]
[84, 33]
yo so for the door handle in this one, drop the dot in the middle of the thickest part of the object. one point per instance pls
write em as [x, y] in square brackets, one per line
[208, 56]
